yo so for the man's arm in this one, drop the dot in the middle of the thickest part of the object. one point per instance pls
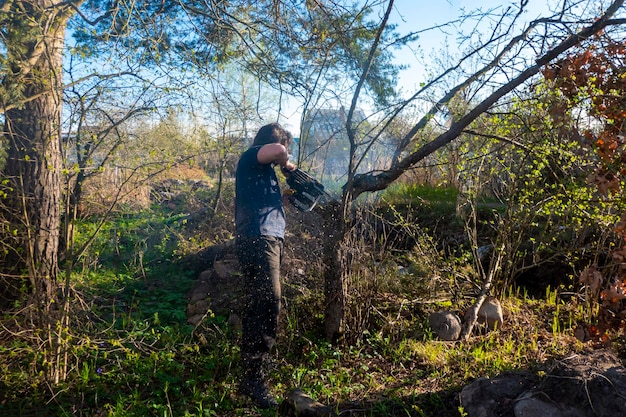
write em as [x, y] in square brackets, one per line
[275, 153]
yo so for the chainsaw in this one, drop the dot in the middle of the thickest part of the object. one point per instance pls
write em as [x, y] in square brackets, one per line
[306, 191]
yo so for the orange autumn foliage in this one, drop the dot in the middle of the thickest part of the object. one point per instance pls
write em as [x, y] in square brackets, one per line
[595, 78]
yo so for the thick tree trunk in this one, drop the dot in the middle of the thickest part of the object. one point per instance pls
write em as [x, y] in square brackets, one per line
[34, 162]
[34, 168]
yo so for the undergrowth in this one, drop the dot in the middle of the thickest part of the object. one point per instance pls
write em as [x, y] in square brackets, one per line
[132, 352]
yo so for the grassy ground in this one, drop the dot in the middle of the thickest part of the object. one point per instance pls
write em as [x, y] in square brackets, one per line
[141, 359]
[130, 351]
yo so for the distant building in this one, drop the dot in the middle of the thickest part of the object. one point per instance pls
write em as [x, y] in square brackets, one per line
[79, 148]
[324, 146]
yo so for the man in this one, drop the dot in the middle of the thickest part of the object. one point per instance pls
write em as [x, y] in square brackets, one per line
[260, 229]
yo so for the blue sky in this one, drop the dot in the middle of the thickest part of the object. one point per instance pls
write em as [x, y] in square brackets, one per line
[419, 15]
[424, 17]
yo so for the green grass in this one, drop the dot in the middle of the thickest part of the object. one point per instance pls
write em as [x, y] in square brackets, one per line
[141, 367]
[420, 194]
[131, 352]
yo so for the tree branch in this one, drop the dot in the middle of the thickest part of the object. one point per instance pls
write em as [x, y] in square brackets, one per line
[359, 87]
[374, 181]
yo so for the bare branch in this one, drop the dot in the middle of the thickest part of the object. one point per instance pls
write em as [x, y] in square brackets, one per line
[377, 181]
[75, 6]
[355, 98]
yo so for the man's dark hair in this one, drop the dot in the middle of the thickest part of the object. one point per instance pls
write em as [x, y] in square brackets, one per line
[272, 133]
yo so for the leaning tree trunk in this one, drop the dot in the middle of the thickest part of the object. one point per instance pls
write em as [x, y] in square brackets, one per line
[34, 164]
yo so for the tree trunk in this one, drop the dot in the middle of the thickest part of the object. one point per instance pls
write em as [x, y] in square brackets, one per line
[334, 272]
[33, 168]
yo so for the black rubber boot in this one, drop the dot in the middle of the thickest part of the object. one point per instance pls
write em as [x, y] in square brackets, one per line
[254, 385]
[257, 391]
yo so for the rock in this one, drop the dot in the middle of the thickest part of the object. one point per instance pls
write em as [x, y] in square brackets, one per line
[582, 385]
[218, 291]
[490, 314]
[534, 405]
[487, 397]
[594, 382]
[445, 324]
[206, 258]
[299, 404]
[485, 253]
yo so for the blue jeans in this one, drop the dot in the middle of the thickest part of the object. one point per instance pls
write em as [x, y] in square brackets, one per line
[259, 260]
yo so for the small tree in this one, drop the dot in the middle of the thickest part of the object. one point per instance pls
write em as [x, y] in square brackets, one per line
[407, 157]
[594, 79]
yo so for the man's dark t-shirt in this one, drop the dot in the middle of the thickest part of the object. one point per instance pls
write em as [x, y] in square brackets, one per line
[258, 203]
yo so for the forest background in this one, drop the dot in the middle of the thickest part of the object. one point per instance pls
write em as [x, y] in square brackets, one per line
[497, 173]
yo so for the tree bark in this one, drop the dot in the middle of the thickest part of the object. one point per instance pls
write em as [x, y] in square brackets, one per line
[334, 272]
[34, 163]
